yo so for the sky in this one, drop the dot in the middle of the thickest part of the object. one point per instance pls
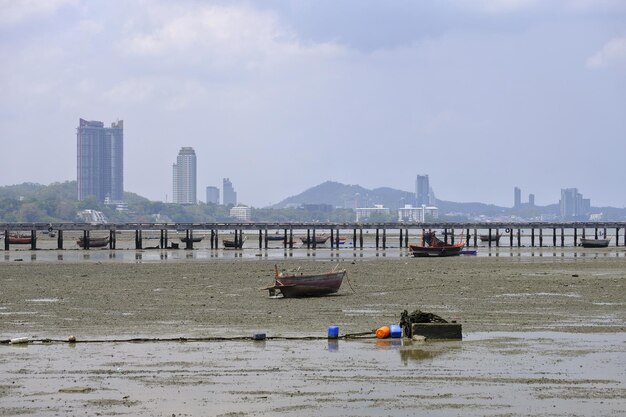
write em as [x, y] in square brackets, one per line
[280, 96]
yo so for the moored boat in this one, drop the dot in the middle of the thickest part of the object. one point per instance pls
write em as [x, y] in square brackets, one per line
[319, 240]
[494, 237]
[433, 246]
[594, 243]
[18, 239]
[233, 244]
[193, 239]
[94, 242]
[294, 285]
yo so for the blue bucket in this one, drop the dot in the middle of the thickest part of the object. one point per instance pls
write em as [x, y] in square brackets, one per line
[396, 331]
[333, 332]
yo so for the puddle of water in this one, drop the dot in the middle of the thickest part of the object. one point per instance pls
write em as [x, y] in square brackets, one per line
[537, 373]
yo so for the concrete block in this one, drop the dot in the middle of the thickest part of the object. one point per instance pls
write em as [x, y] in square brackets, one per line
[437, 330]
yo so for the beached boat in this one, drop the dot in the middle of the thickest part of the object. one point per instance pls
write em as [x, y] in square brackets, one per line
[193, 239]
[275, 236]
[294, 284]
[233, 244]
[15, 239]
[594, 243]
[319, 240]
[494, 237]
[94, 242]
[436, 247]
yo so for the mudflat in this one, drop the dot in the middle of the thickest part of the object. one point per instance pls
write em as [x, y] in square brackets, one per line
[196, 298]
[543, 335]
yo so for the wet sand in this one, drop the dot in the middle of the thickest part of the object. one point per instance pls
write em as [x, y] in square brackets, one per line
[581, 297]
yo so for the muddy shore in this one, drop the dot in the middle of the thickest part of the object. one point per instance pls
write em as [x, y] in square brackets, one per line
[583, 297]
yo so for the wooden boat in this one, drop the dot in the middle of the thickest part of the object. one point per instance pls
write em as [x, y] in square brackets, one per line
[436, 247]
[494, 237]
[294, 285]
[94, 242]
[15, 239]
[319, 240]
[276, 236]
[193, 239]
[233, 244]
[594, 243]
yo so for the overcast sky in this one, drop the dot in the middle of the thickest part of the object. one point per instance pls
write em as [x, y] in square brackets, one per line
[280, 96]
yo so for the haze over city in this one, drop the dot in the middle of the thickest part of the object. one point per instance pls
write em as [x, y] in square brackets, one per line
[280, 96]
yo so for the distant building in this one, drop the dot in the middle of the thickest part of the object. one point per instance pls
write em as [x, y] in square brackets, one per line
[92, 216]
[229, 195]
[572, 204]
[531, 200]
[184, 177]
[212, 195]
[241, 212]
[100, 160]
[408, 213]
[517, 197]
[364, 213]
[422, 190]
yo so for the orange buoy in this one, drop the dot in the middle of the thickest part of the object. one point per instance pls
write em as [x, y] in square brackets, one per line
[383, 332]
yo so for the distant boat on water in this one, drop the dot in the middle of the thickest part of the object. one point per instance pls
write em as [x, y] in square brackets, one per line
[94, 242]
[435, 247]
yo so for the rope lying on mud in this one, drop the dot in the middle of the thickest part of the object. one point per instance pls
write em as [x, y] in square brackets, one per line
[362, 335]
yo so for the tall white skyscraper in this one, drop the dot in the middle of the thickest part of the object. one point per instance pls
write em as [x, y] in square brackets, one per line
[184, 177]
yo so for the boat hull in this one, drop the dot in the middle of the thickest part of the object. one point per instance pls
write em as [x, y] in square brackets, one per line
[436, 251]
[230, 244]
[594, 243]
[94, 242]
[315, 285]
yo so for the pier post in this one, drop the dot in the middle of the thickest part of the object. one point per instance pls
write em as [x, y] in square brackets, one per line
[285, 242]
[532, 237]
[604, 237]
[497, 237]
[377, 238]
[617, 236]
[290, 237]
[60, 239]
[212, 237]
[475, 237]
[490, 237]
[332, 238]
[445, 235]
[452, 236]
[33, 240]
[6, 240]
[510, 237]
[540, 237]
[400, 244]
[261, 238]
[217, 243]
[308, 238]
[138, 239]
[468, 237]
[562, 236]
[361, 238]
[85, 239]
[583, 232]
[554, 236]
[314, 239]
[423, 240]
[384, 238]
[406, 238]
[519, 238]
[596, 231]
[575, 236]
[354, 239]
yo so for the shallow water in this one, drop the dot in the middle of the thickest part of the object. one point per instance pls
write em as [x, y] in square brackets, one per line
[538, 373]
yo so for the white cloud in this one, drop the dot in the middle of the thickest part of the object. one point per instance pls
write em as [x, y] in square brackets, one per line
[13, 12]
[612, 54]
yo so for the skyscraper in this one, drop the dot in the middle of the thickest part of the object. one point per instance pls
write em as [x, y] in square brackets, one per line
[184, 177]
[517, 197]
[100, 160]
[212, 195]
[228, 192]
[422, 191]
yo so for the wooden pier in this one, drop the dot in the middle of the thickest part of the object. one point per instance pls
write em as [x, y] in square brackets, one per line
[488, 234]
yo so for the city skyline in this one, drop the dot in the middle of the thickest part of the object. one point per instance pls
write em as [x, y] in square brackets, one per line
[481, 95]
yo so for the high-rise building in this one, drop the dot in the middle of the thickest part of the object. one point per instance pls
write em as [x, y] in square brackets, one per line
[573, 204]
[212, 195]
[229, 195]
[531, 200]
[184, 177]
[100, 160]
[422, 191]
[517, 197]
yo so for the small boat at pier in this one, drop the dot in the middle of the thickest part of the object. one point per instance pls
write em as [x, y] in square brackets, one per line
[193, 239]
[494, 237]
[594, 243]
[94, 242]
[233, 244]
[19, 239]
[294, 285]
[319, 240]
[434, 246]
